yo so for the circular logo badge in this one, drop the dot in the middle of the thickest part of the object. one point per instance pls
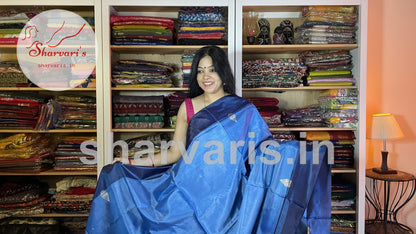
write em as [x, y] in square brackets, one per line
[56, 50]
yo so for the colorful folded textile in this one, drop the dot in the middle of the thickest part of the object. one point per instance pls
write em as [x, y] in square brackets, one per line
[330, 135]
[68, 154]
[201, 26]
[22, 197]
[72, 195]
[19, 110]
[141, 30]
[11, 23]
[327, 25]
[11, 75]
[141, 73]
[76, 112]
[303, 117]
[268, 110]
[284, 72]
[175, 100]
[342, 195]
[24, 146]
[138, 111]
[328, 68]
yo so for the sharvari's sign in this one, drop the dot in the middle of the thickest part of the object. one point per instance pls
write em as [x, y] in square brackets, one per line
[56, 50]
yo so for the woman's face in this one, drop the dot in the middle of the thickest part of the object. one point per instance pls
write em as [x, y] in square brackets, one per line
[208, 79]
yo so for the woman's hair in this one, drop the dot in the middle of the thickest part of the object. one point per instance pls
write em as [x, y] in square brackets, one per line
[221, 65]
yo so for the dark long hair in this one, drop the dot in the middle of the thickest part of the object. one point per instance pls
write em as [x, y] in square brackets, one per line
[221, 65]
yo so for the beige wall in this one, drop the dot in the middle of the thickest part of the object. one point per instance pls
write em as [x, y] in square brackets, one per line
[391, 84]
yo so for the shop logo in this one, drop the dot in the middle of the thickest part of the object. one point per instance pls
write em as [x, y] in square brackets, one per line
[56, 50]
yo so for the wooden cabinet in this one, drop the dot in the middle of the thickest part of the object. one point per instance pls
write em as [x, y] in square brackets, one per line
[303, 96]
[89, 8]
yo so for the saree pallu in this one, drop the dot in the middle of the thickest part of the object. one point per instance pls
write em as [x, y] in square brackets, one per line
[217, 187]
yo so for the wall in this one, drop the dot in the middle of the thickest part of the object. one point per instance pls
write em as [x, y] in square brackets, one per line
[391, 85]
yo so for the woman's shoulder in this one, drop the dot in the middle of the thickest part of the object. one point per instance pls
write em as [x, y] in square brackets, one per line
[239, 99]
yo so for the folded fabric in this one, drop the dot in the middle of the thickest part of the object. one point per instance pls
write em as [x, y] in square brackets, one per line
[263, 101]
[330, 135]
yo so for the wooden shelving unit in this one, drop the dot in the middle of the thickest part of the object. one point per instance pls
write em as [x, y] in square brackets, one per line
[293, 97]
[89, 7]
[170, 49]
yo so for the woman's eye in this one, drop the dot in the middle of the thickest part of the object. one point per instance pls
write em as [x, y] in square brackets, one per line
[200, 71]
[212, 70]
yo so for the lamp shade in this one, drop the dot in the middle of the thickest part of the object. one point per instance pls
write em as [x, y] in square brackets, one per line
[385, 127]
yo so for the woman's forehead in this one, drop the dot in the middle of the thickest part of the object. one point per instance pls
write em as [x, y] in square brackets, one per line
[205, 62]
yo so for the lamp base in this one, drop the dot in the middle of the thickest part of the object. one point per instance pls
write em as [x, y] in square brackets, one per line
[383, 171]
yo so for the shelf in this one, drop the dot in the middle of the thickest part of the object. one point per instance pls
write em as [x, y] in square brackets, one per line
[41, 89]
[150, 89]
[148, 130]
[343, 170]
[49, 131]
[301, 88]
[168, 49]
[52, 172]
[271, 49]
[308, 129]
[343, 212]
[12, 48]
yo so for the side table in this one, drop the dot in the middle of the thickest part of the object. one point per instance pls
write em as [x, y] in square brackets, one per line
[388, 193]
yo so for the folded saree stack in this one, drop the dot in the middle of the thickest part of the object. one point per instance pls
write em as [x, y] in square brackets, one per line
[268, 110]
[202, 26]
[284, 136]
[327, 25]
[138, 111]
[328, 68]
[186, 60]
[276, 73]
[343, 142]
[68, 154]
[72, 195]
[141, 30]
[143, 74]
[175, 100]
[23, 198]
[11, 75]
[341, 224]
[303, 117]
[20, 111]
[11, 23]
[76, 112]
[26, 153]
[340, 107]
[31, 225]
[343, 194]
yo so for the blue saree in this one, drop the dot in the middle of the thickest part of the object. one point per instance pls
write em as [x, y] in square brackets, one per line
[229, 181]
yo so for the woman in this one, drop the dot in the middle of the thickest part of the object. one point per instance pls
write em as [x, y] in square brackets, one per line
[229, 179]
[211, 79]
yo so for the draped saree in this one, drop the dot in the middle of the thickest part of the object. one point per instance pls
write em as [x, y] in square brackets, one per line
[227, 182]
